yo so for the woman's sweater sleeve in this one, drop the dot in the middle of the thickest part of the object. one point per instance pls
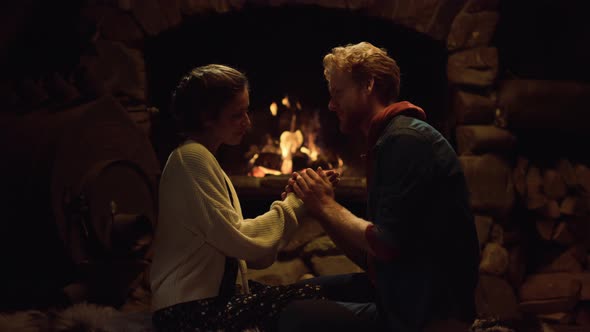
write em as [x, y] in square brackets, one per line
[254, 240]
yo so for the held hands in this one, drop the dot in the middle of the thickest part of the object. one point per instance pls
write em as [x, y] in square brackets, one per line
[332, 175]
[314, 189]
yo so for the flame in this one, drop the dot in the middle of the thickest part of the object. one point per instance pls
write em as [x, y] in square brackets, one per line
[261, 171]
[298, 105]
[274, 108]
[290, 142]
[285, 102]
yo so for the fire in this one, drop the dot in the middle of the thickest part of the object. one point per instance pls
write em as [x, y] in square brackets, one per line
[292, 142]
[274, 108]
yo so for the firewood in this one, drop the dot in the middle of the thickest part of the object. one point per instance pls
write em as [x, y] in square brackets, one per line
[583, 175]
[549, 293]
[574, 206]
[478, 139]
[563, 235]
[584, 278]
[549, 210]
[519, 175]
[494, 297]
[558, 317]
[569, 261]
[534, 180]
[545, 228]
[568, 174]
[536, 201]
[553, 184]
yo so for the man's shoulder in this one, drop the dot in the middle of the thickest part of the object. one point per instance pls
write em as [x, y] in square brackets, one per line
[406, 127]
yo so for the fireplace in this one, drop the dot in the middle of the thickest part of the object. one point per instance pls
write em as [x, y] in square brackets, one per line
[281, 50]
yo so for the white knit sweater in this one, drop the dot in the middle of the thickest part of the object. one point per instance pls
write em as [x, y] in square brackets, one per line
[198, 227]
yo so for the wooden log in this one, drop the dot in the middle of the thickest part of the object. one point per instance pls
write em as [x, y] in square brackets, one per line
[584, 278]
[477, 67]
[519, 175]
[567, 172]
[494, 260]
[558, 317]
[471, 30]
[563, 235]
[535, 199]
[574, 206]
[545, 228]
[545, 105]
[569, 261]
[583, 175]
[549, 293]
[549, 210]
[470, 108]
[494, 297]
[489, 179]
[553, 184]
[479, 139]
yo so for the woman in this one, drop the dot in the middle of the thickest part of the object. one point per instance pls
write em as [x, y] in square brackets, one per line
[202, 240]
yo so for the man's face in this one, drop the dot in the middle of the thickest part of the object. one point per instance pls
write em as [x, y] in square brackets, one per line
[348, 100]
[233, 121]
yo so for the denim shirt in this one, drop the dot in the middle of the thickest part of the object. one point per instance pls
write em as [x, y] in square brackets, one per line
[418, 201]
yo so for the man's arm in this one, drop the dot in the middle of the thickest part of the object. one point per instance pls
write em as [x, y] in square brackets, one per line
[345, 229]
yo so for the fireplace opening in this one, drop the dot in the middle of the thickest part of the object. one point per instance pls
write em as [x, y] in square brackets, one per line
[281, 51]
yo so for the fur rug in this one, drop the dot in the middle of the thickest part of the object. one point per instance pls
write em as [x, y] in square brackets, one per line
[81, 317]
[93, 318]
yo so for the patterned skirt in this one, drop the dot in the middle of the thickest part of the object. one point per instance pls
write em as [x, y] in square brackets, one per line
[259, 309]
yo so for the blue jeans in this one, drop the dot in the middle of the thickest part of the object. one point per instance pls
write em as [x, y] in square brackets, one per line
[350, 306]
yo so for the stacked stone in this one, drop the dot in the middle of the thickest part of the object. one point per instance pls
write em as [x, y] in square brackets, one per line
[485, 151]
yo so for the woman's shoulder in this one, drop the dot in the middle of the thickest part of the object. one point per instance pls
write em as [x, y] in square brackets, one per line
[195, 156]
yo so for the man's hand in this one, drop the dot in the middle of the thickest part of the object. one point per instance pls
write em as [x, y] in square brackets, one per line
[314, 189]
[332, 175]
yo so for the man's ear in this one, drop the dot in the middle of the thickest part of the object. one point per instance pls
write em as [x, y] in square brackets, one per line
[370, 85]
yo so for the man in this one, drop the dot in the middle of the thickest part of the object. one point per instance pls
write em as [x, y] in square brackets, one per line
[418, 245]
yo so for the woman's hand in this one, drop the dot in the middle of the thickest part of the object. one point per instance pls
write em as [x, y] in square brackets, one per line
[332, 175]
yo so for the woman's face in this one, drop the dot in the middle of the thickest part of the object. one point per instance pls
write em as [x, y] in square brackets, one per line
[233, 121]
